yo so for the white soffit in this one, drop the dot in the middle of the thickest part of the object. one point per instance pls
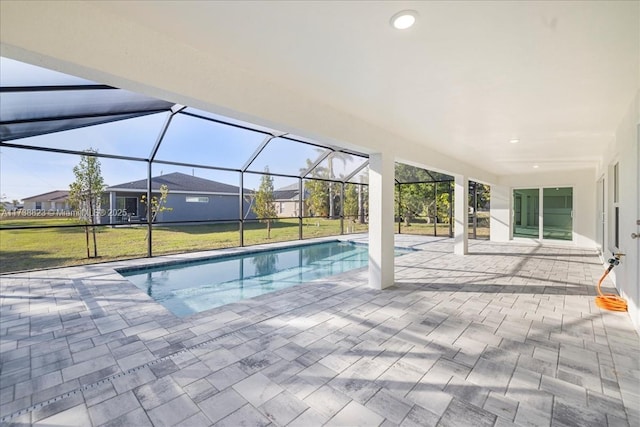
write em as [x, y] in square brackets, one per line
[467, 78]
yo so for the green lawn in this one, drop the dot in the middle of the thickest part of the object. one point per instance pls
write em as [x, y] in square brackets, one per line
[423, 228]
[419, 226]
[55, 247]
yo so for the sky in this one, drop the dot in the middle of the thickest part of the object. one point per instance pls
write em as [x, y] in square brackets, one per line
[26, 173]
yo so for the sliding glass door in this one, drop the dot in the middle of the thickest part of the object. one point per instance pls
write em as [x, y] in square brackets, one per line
[526, 215]
[557, 213]
[545, 213]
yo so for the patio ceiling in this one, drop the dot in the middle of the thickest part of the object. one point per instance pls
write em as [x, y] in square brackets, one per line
[467, 79]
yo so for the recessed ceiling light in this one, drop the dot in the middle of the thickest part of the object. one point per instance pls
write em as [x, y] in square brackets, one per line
[514, 141]
[536, 166]
[404, 19]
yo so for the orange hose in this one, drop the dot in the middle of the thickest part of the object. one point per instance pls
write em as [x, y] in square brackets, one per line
[609, 302]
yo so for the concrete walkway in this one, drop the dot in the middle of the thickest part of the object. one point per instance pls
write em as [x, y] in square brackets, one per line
[507, 335]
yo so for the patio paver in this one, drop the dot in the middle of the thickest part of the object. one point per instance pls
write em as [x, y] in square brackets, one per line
[507, 335]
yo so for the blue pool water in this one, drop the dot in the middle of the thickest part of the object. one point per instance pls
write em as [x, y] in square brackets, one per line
[193, 287]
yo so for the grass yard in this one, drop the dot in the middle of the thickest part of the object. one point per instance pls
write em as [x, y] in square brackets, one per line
[56, 247]
[421, 227]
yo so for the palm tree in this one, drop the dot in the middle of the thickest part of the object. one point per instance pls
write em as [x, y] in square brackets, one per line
[328, 173]
[343, 157]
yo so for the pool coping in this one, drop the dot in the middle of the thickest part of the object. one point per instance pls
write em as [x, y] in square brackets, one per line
[226, 253]
[236, 252]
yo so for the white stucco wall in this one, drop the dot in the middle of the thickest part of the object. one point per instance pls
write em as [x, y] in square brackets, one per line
[584, 202]
[625, 151]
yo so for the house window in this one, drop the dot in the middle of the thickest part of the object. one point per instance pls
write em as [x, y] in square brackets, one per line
[192, 199]
[616, 177]
[616, 205]
[38, 205]
[128, 205]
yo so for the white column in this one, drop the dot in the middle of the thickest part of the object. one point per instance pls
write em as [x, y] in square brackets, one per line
[112, 207]
[500, 222]
[381, 253]
[461, 215]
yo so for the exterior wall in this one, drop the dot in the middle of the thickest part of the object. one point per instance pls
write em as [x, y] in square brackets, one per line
[217, 207]
[288, 208]
[47, 205]
[60, 206]
[584, 202]
[625, 151]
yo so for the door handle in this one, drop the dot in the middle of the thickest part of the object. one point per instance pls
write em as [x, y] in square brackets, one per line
[635, 235]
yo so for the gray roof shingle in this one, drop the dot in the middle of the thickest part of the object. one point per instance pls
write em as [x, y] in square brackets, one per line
[51, 196]
[179, 182]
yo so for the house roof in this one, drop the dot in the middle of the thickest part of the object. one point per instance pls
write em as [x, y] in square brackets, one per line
[51, 196]
[289, 192]
[285, 194]
[179, 183]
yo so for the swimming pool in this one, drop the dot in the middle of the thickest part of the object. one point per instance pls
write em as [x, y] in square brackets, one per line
[193, 287]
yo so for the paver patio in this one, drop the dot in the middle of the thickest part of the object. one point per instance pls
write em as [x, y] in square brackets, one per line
[507, 335]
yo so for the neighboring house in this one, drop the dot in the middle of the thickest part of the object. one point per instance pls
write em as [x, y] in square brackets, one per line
[190, 198]
[57, 201]
[287, 201]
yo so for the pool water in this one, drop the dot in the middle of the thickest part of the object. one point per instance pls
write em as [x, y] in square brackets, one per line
[193, 287]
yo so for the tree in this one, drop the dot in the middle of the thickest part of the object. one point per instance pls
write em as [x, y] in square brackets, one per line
[264, 202]
[443, 203]
[411, 201]
[484, 196]
[410, 195]
[363, 197]
[85, 193]
[327, 173]
[343, 158]
[416, 194]
[350, 200]
[318, 199]
[350, 203]
[158, 204]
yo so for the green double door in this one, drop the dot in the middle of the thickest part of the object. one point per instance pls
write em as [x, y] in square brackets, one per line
[545, 213]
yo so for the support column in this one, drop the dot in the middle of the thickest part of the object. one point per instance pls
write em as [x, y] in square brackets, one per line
[381, 252]
[342, 188]
[241, 208]
[112, 207]
[149, 213]
[300, 207]
[461, 217]
[501, 218]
